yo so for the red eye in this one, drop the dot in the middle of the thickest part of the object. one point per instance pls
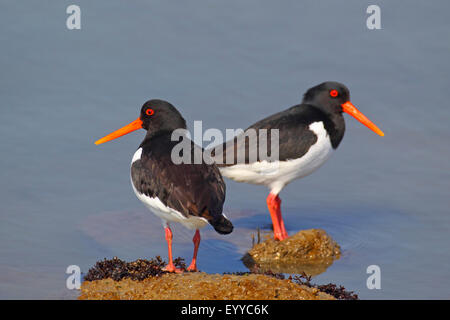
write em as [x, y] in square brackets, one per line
[334, 93]
[149, 112]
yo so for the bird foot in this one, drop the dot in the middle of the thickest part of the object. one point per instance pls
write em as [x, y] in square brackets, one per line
[280, 236]
[171, 268]
[192, 267]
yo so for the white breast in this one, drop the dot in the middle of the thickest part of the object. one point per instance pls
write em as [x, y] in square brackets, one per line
[137, 155]
[164, 212]
[278, 174]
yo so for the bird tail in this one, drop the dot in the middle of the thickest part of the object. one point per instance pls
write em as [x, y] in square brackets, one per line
[222, 225]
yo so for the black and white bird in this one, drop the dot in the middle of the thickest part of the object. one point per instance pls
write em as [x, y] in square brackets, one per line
[191, 194]
[308, 135]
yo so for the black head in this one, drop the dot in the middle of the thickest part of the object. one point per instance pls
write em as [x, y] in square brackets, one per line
[159, 115]
[328, 96]
[156, 116]
[333, 98]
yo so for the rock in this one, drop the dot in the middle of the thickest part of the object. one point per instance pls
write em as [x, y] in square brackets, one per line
[308, 251]
[201, 286]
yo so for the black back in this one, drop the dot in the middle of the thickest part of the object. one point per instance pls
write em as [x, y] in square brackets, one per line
[295, 137]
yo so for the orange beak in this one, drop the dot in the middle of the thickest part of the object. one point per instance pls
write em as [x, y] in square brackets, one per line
[351, 110]
[135, 125]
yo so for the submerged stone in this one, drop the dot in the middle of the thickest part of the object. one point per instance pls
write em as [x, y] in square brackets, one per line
[308, 251]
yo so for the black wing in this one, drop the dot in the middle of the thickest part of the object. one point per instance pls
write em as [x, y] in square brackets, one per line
[295, 137]
[191, 189]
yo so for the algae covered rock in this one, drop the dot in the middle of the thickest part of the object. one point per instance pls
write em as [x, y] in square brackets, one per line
[201, 286]
[115, 279]
[308, 251]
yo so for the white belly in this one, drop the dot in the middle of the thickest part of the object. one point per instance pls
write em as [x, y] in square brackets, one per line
[164, 212]
[278, 174]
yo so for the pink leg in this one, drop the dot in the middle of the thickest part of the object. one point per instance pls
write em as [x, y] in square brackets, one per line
[196, 240]
[170, 266]
[273, 203]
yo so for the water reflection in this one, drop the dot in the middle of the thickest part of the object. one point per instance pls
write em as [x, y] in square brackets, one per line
[310, 268]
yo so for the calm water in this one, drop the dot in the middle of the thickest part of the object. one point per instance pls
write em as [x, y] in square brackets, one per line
[66, 201]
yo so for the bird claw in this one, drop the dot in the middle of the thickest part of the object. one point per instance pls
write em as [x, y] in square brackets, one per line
[172, 268]
[192, 268]
[280, 236]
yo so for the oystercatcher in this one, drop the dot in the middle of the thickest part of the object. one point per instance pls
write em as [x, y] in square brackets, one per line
[191, 194]
[308, 133]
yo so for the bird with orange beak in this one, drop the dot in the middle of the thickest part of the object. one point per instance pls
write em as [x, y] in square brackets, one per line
[190, 194]
[308, 134]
